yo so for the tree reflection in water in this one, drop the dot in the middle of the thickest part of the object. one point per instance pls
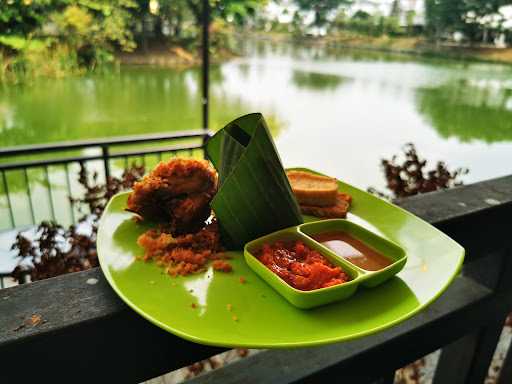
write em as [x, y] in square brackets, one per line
[469, 110]
[317, 81]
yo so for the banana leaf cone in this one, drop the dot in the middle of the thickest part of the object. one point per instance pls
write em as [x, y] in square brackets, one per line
[254, 196]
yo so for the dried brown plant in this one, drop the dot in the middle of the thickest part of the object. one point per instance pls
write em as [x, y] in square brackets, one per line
[411, 176]
[55, 250]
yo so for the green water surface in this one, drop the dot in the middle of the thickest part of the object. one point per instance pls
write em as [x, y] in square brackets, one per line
[330, 109]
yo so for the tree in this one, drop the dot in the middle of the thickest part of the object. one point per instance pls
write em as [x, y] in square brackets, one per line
[170, 13]
[395, 9]
[18, 17]
[481, 17]
[467, 16]
[361, 15]
[176, 12]
[320, 8]
[409, 20]
[229, 10]
[445, 16]
[54, 37]
[94, 28]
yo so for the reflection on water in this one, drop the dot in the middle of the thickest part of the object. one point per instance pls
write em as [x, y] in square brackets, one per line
[316, 81]
[452, 110]
[469, 110]
[133, 101]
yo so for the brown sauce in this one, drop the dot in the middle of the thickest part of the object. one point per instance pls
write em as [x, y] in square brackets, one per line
[353, 250]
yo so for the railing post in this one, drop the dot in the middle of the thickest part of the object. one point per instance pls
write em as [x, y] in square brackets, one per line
[8, 197]
[106, 164]
[506, 369]
[468, 359]
[101, 147]
[205, 63]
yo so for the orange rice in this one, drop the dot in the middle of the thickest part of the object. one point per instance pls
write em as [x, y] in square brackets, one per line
[183, 255]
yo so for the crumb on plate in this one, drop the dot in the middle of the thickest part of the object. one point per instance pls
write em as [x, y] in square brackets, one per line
[222, 266]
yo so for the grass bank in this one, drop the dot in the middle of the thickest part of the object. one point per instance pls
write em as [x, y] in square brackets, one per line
[415, 45]
[171, 55]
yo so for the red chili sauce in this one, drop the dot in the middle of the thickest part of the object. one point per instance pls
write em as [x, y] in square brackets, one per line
[300, 266]
[353, 250]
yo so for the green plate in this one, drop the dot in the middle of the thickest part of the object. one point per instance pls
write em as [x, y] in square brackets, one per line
[259, 316]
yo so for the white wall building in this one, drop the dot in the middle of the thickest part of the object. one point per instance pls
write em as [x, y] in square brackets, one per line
[285, 9]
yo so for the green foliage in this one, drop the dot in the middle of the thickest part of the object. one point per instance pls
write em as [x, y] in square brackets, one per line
[94, 29]
[237, 11]
[369, 25]
[444, 17]
[409, 17]
[58, 37]
[395, 8]
[361, 15]
[320, 8]
[98, 23]
[175, 13]
[462, 112]
[20, 43]
[79, 35]
[317, 81]
[21, 17]
[27, 65]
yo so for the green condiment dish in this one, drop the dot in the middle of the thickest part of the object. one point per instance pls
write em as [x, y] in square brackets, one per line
[318, 297]
[386, 248]
[301, 299]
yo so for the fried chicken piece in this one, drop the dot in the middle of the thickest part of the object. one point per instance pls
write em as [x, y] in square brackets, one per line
[177, 192]
[191, 211]
[186, 176]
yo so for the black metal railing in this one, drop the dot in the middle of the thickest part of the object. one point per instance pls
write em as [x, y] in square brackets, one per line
[96, 329]
[43, 204]
[190, 142]
[187, 143]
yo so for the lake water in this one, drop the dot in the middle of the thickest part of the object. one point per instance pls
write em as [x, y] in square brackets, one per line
[334, 110]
